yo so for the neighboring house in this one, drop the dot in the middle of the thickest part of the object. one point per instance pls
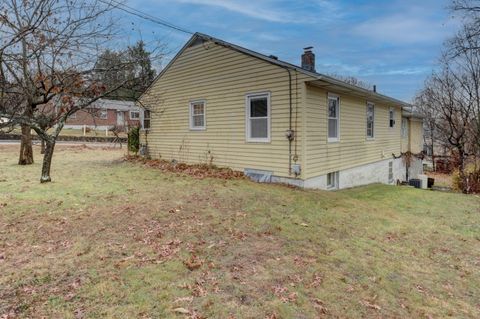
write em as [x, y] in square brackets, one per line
[104, 114]
[219, 103]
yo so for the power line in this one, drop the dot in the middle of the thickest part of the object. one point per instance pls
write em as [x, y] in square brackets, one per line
[146, 16]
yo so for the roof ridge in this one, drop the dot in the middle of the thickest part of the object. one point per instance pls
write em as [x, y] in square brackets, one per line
[277, 62]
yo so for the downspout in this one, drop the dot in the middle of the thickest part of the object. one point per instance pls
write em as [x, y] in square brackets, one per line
[290, 134]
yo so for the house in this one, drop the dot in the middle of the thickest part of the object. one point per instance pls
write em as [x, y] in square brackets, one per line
[104, 114]
[219, 103]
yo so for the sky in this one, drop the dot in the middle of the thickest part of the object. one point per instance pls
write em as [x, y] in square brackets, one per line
[394, 44]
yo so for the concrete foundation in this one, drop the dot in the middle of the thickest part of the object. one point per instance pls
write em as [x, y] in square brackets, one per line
[377, 172]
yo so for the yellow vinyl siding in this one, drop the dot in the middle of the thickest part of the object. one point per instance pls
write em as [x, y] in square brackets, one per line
[413, 142]
[222, 77]
[353, 149]
[416, 136]
[405, 139]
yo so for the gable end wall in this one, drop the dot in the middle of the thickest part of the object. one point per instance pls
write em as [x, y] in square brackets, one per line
[222, 77]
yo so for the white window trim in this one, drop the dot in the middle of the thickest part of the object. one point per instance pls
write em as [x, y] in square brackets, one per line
[337, 97]
[198, 128]
[106, 114]
[249, 139]
[137, 118]
[142, 119]
[370, 138]
[391, 109]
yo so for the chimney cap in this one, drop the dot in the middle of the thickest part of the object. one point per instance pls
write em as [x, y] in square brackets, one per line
[273, 57]
[308, 48]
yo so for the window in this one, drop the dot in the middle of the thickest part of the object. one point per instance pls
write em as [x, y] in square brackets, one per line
[197, 115]
[404, 127]
[390, 172]
[391, 116]
[333, 117]
[134, 115]
[258, 117]
[103, 114]
[332, 180]
[370, 120]
[146, 119]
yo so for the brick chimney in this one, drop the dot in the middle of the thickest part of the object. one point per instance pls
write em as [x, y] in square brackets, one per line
[308, 59]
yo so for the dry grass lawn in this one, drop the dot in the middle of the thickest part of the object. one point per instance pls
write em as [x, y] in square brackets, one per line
[112, 239]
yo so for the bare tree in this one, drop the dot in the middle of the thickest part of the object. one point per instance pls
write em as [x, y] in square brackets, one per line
[451, 97]
[426, 104]
[50, 72]
[13, 33]
[450, 103]
[352, 80]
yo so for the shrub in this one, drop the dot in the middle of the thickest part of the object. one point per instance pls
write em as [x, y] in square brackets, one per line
[470, 184]
[134, 139]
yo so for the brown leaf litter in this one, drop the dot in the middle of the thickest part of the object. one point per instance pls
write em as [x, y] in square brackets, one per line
[199, 171]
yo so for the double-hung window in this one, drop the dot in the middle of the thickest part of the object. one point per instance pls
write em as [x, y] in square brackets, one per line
[146, 119]
[258, 117]
[333, 118]
[197, 115]
[134, 115]
[370, 120]
[391, 117]
[103, 114]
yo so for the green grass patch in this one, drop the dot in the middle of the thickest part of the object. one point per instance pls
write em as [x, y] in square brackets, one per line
[112, 239]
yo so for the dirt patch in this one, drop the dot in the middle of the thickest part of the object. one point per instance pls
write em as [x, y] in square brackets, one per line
[195, 170]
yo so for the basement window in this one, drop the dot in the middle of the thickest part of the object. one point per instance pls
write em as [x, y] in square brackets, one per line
[333, 117]
[332, 180]
[197, 115]
[390, 172]
[258, 117]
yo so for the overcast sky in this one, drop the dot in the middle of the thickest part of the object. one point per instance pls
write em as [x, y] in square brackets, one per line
[394, 44]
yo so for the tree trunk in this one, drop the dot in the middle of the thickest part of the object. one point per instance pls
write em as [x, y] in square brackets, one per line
[47, 161]
[461, 168]
[26, 150]
[42, 147]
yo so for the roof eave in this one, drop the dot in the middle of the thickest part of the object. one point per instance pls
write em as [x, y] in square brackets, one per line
[315, 76]
[327, 82]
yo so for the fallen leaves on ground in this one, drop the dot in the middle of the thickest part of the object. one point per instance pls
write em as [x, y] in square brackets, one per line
[199, 171]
